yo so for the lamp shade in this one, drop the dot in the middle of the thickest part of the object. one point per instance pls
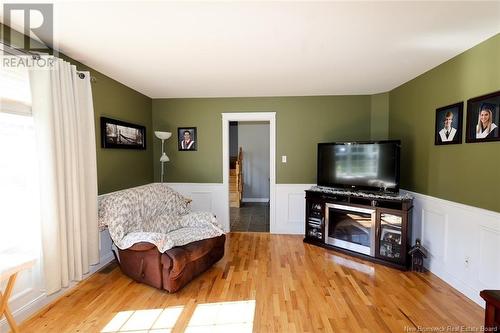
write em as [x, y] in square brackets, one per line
[164, 158]
[163, 135]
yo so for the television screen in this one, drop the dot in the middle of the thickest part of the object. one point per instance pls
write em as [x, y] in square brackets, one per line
[359, 165]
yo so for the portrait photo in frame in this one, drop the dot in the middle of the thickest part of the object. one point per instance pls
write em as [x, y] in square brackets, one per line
[448, 126]
[483, 117]
[187, 138]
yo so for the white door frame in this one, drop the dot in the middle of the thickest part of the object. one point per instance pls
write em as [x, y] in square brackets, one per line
[250, 116]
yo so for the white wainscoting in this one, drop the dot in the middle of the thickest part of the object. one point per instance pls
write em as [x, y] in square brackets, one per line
[463, 241]
[290, 204]
[290, 208]
[29, 295]
[206, 197]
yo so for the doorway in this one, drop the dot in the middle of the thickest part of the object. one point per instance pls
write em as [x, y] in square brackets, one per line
[249, 176]
[256, 212]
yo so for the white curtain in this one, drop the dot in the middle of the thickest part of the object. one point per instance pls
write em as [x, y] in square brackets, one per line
[64, 123]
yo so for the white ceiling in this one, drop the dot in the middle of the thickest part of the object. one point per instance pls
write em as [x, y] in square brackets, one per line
[225, 49]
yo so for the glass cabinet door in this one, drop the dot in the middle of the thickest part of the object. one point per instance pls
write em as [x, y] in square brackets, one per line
[314, 220]
[390, 237]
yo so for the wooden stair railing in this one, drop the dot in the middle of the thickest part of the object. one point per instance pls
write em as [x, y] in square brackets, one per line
[236, 181]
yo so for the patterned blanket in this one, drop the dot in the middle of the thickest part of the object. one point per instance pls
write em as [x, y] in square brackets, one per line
[154, 213]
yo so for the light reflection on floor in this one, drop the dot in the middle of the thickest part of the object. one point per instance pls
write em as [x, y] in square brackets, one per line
[235, 316]
[223, 317]
[360, 267]
[152, 320]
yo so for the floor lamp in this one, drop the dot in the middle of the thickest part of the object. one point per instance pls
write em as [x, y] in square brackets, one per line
[164, 158]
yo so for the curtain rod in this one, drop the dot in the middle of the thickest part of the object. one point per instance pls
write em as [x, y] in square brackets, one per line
[82, 76]
[19, 52]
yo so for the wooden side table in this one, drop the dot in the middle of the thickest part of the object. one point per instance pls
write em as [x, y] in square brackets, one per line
[11, 264]
[492, 311]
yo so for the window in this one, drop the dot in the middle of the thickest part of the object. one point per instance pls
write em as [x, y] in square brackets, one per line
[15, 95]
[19, 192]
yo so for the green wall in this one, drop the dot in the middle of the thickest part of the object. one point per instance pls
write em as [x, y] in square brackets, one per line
[379, 124]
[121, 168]
[116, 168]
[463, 173]
[301, 122]
[466, 173]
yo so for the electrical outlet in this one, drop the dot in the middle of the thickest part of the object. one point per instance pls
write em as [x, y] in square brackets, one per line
[283, 159]
[467, 262]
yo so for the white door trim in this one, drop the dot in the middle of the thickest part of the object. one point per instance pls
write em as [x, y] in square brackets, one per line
[251, 116]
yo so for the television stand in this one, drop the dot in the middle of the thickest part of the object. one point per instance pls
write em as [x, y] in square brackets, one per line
[372, 226]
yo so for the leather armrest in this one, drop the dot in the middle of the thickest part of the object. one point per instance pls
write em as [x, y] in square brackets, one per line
[179, 258]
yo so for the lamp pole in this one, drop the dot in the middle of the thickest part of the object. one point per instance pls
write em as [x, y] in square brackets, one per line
[164, 158]
[161, 161]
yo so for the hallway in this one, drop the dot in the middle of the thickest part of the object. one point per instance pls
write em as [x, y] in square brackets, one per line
[251, 216]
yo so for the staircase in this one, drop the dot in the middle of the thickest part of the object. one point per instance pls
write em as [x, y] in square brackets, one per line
[236, 180]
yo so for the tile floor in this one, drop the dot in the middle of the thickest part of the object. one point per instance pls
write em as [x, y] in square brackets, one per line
[251, 216]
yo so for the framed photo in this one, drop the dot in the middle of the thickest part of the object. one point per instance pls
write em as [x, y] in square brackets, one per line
[186, 137]
[120, 134]
[483, 116]
[448, 129]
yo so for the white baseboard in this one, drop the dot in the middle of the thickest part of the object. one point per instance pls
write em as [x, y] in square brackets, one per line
[255, 200]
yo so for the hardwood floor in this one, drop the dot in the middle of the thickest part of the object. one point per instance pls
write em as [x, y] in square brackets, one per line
[296, 287]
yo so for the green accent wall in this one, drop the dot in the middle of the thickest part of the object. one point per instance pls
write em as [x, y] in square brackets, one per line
[301, 122]
[121, 168]
[116, 168]
[379, 124]
[465, 173]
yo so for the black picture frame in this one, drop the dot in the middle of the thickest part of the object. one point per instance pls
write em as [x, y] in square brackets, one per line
[193, 145]
[453, 112]
[475, 106]
[122, 135]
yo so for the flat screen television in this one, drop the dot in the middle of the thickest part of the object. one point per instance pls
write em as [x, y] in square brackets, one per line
[367, 165]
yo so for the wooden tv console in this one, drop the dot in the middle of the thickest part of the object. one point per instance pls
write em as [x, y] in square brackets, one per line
[371, 226]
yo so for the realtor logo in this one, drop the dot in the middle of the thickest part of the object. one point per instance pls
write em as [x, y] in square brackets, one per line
[37, 26]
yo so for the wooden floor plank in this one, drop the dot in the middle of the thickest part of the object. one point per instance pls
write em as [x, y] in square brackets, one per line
[297, 288]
